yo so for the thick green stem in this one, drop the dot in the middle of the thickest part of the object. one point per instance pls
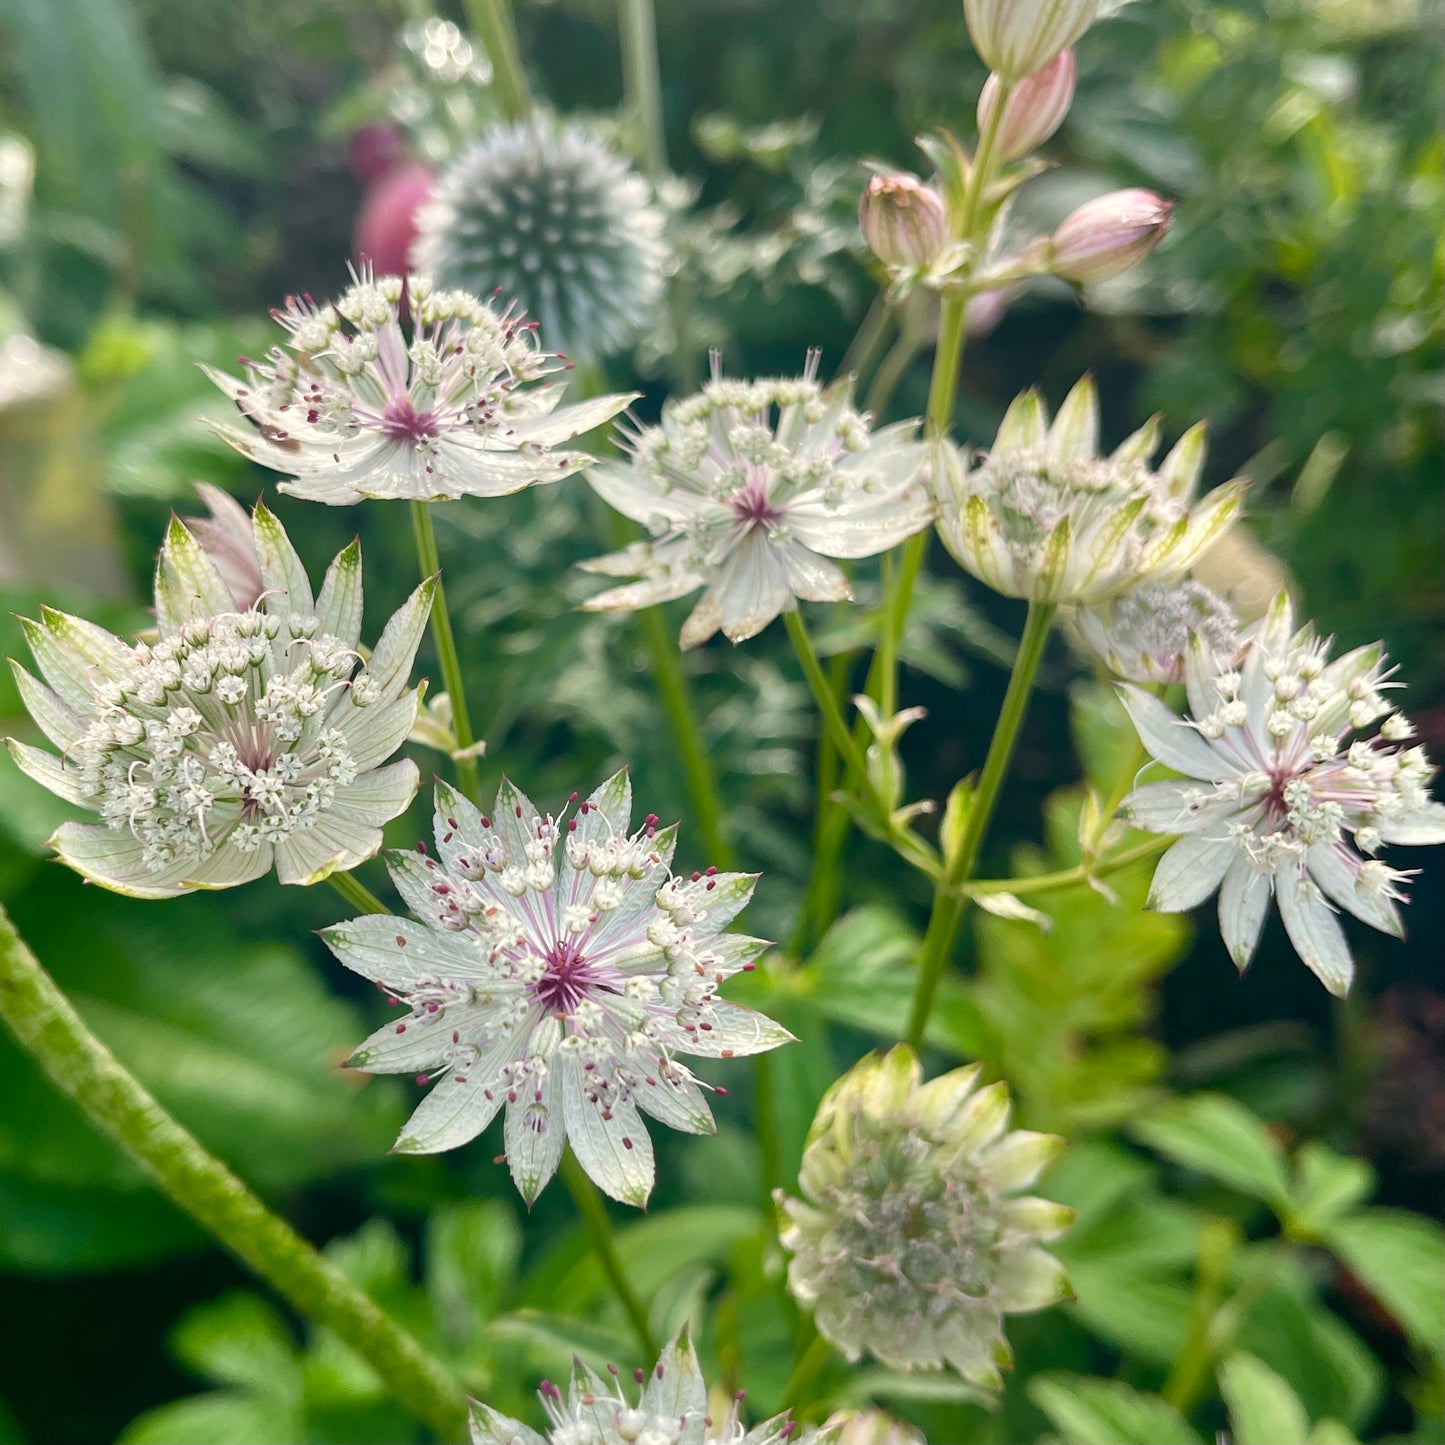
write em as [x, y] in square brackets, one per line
[948, 899]
[1070, 877]
[599, 1230]
[637, 22]
[1218, 1244]
[446, 645]
[356, 893]
[495, 28]
[82, 1068]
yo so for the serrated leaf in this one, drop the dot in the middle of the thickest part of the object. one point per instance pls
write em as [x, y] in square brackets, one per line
[1216, 1135]
[1400, 1258]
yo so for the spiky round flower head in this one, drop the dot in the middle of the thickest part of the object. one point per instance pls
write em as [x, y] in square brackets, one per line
[1296, 773]
[748, 488]
[1144, 635]
[1044, 516]
[453, 403]
[908, 1243]
[241, 737]
[557, 966]
[671, 1409]
[546, 212]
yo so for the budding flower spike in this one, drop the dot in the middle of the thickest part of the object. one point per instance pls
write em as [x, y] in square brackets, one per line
[456, 402]
[249, 734]
[909, 1242]
[1144, 635]
[671, 1409]
[1277, 798]
[1043, 516]
[556, 966]
[749, 487]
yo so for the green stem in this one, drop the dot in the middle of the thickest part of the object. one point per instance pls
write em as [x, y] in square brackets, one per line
[82, 1068]
[890, 373]
[810, 1365]
[870, 335]
[1071, 877]
[599, 1230]
[948, 899]
[833, 724]
[495, 28]
[446, 645]
[1218, 1243]
[356, 893]
[637, 22]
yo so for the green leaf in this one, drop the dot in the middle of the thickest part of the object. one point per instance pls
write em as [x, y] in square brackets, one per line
[1326, 1186]
[1400, 1258]
[1087, 1411]
[471, 1258]
[1263, 1410]
[240, 1340]
[220, 1418]
[1215, 1135]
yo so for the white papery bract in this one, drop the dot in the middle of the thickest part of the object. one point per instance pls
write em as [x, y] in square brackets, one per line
[1296, 773]
[456, 402]
[671, 1409]
[907, 1243]
[241, 737]
[557, 967]
[1144, 635]
[1043, 516]
[748, 488]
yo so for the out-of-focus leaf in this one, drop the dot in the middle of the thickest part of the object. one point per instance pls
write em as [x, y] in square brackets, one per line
[1263, 1410]
[1400, 1258]
[1105, 1412]
[1326, 1186]
[471, 1258]
[1217, 1136]
[239, 1339]
[223, 1417]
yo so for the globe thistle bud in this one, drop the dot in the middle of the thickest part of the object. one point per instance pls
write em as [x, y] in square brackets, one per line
[908, 1242]
[546, 212]
[1144, 636]
[1107, 236]
[1034, 110]
[903, 220]
[1018, 37]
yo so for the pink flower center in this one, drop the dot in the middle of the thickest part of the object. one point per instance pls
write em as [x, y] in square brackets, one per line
[403, 422]
[752, 507]
[568, 980]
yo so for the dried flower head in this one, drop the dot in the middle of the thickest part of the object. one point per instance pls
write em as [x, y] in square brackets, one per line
[1144, 635]
[1044, 516]
[549, 215]
[749, 487]
[239, 738]
[907, 1242]
[556, 966]
[357, 404]
[1296, 773]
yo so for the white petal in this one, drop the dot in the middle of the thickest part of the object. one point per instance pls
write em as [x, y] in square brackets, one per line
[188, 583]
[1243, 901]
[612, 1145]
[1313, 929]
[389, 666]
[1075, 432]
[1031, 1279]
[1330, 865]
[1170, 739]
[1189, 872]
[1161, 808]
[491, 1427]
[1018, 1159]
[534, 1134]
[752, 588]
[675, 1101]
[813, 578]
[401, 952]
[281, 569]
[702, 622]
[339, 605]
[454, 1113]
[1420, 828]
[734, 1033]
[55, 717]
[572, 421]
[50, 772]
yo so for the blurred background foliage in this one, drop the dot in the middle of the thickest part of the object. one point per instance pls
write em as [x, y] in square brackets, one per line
[1245, 1149]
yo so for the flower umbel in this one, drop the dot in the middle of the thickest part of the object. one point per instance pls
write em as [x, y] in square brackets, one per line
[749, 487]
[455, 403]
[1277, 798]
[557, 966]
[1044, 516]
[239, 738]
[671, 1409]
[907, 1243]
[1144, 635]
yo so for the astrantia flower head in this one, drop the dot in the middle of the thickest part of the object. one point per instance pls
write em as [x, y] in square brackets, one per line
[239, 738]
[1044, 516]
[454, 403]
[1143, 636]
[546, 212]
[749, 487]
[557, 967]
[907, 1242]
[671, 1409]
[1297, 772]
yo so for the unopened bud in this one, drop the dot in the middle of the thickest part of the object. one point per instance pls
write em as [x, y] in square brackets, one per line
[1034, 110]
[903, 220]
[1105, 237]
[1018, 37]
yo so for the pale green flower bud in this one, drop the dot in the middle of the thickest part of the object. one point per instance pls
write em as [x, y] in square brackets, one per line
[903, 221]
[1034, 110]
[1018, 37]
[1107, 236]
[872, 1427]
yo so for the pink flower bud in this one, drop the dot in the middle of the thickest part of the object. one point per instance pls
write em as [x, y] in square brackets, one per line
[1018, 37]
[1105, 237]
[903, 220]
[227, 538]
[1034, 110]
[386, 224]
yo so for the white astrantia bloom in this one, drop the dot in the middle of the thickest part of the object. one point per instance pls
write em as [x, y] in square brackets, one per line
[671, 1409]
[911, 1242]
[1144, 635]
[1043, 516]
[240, 738]
[556, 966]
[454, 402]
[1297, 772]
[749, 488]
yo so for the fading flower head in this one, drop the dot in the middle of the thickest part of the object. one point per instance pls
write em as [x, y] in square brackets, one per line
[242, 737]
[453, 402]
[556, 966]
[1043, 516]
[1144, 635]
[748, 488]
[908, 1243]
[1297, 772]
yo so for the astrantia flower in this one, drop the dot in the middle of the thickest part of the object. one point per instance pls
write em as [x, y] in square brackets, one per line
[456, 403]
[239, 738]
[548, 213]
[749, 487]
[909, 1244]
[672, 1409]
[557, 967]
[1044, 516]
[1296, 773]
[1143, 636]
